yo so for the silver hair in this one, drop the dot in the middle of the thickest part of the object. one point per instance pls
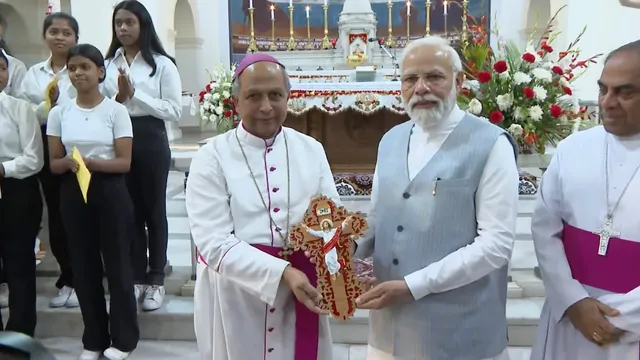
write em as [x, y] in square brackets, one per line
[437, 41]
[235, 85]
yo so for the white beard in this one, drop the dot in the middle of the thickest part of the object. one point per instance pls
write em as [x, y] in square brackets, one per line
[427, 118]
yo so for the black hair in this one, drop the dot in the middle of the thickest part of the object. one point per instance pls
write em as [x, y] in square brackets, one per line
[87, 51]
[4, 57]
[3, 46]
[73, 23]
[148, 40]
[632, 46]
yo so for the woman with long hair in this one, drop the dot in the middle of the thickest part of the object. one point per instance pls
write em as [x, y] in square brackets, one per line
[143, 77]
[60, 32]
[98, 222]
[21, 158]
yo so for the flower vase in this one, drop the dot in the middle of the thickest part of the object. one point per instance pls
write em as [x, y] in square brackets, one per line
[208, 127]
[529, 160]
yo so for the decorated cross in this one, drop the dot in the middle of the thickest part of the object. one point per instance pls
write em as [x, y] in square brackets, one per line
[327, 232]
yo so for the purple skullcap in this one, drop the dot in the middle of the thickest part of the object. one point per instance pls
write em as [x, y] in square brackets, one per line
[252, 59]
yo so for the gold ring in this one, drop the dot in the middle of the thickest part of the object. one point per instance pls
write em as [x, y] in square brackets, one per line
[596, 336]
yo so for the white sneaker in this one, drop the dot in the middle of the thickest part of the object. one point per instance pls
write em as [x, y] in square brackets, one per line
[153, 297]
[138, 291]
[4, 296]
[89, 355]
[61, 300]
[115, 354]
[72, 301]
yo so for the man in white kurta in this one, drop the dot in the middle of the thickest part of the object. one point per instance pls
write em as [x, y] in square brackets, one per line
[443, 289]
[246, 188]
[586, 229]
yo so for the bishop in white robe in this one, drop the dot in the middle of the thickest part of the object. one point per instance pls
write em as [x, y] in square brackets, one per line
[586, 230]
[245, 190]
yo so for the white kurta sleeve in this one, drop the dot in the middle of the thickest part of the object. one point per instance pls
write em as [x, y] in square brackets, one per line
[212, 228]
[546, 228]
[629, 319]
[496, 214]
[366, 243]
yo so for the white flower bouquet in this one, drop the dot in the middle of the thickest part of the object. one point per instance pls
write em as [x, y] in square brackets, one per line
[216, 104]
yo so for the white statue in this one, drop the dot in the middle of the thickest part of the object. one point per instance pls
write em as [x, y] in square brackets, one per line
[328, 235]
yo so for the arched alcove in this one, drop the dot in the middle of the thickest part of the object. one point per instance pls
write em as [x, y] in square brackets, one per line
[187, 45]
[538, 15]
[23, 41]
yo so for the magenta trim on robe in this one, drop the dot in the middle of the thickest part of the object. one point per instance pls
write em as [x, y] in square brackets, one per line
[618, 271]
[307, 322]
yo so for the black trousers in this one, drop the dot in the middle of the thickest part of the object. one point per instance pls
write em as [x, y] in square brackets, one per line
[20, 217]
[101, 231]
[57, 237]
[147, 183]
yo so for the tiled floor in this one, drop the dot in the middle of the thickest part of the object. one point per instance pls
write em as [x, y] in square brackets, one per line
[68, 349]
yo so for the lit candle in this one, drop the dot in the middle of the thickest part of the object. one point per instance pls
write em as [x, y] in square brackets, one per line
[389, 1]
[429, 2]
[308, 8]
[408, 8]
[273, 15]
[290, 2]
[446, 6]
[250, 4]
[326, 2]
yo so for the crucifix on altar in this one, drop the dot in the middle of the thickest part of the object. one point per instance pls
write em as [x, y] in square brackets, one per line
[328, 232]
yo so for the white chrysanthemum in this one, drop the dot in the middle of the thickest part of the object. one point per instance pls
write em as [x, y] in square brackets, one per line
[219, 110]
[535, 113]
[504, 101]
[215, 97]
[472, 85]
[475, 107]
[515, 130]
[520, 113]
[540, 93]
[521, 78]
[207, 97]
[226, 94]
[542, 75]
[214, 85]
[213, 118]
[546, 64]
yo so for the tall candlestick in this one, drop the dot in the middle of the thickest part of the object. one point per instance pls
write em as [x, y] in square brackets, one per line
[445, 5]
[465, 35]
[391, 42]
[326, 44]
[428, 20]
[408, 22]
[307, 9]
[253, 45]
[408, 8]
[273, 46]
[291, 45]
[251, 4]
[309, 43]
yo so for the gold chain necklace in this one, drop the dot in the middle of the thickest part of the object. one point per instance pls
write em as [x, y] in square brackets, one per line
[286, 251]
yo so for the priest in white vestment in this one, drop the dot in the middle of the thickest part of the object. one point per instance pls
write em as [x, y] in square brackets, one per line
[246, 188]
[443, 219]
[586, 229]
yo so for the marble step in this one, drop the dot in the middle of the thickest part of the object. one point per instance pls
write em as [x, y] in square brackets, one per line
[69, 348]
[175, 322]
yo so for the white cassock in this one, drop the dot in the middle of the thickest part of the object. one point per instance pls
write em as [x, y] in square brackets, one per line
[496, 219]
[571, 206]
[243, 311]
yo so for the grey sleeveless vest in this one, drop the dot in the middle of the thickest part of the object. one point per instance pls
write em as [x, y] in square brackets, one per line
[414, 228]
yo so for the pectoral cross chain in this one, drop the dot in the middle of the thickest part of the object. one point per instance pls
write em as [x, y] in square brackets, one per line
[606, 232]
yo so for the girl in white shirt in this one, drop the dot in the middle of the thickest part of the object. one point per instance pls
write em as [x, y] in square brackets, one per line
[100, 229]
[17, 71]
[21, 158]
[145, 79]
[60, 33]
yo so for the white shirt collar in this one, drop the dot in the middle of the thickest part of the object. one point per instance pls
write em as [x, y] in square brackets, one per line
[46, 66]
[449, 122]
[248, 138]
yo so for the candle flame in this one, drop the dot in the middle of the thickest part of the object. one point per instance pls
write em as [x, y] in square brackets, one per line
[308, 8]
[273, 7]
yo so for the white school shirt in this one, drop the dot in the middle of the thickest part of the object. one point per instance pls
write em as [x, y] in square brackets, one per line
[159, 95]
[92, 131]
[17, 72]
[21, 153]
[496, 202]
[35, 84]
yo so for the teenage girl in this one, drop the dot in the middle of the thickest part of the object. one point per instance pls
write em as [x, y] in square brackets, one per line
[145, 79]
[99, 229]
[21, 158]
[60, 32]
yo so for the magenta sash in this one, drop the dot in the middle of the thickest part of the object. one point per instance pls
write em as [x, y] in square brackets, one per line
[307, 322]
[618, 271]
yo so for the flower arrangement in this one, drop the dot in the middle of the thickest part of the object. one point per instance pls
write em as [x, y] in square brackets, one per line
[527, 93]
[217, 106]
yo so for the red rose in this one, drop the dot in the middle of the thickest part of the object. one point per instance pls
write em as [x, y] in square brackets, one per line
[496, 117]
[557, 70]
[500, 66]
[529, 57]
[567, 90]
[555, 111]
[201, 96]
[484, 77]
[228, 113]
[546, 47]
[207, 88]
[528, 93]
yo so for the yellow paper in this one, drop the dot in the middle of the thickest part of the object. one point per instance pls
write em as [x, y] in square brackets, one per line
[53, 83]
[83, 174]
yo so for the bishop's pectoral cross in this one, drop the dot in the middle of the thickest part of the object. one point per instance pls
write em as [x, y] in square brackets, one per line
[328, 238]
[606, 232]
